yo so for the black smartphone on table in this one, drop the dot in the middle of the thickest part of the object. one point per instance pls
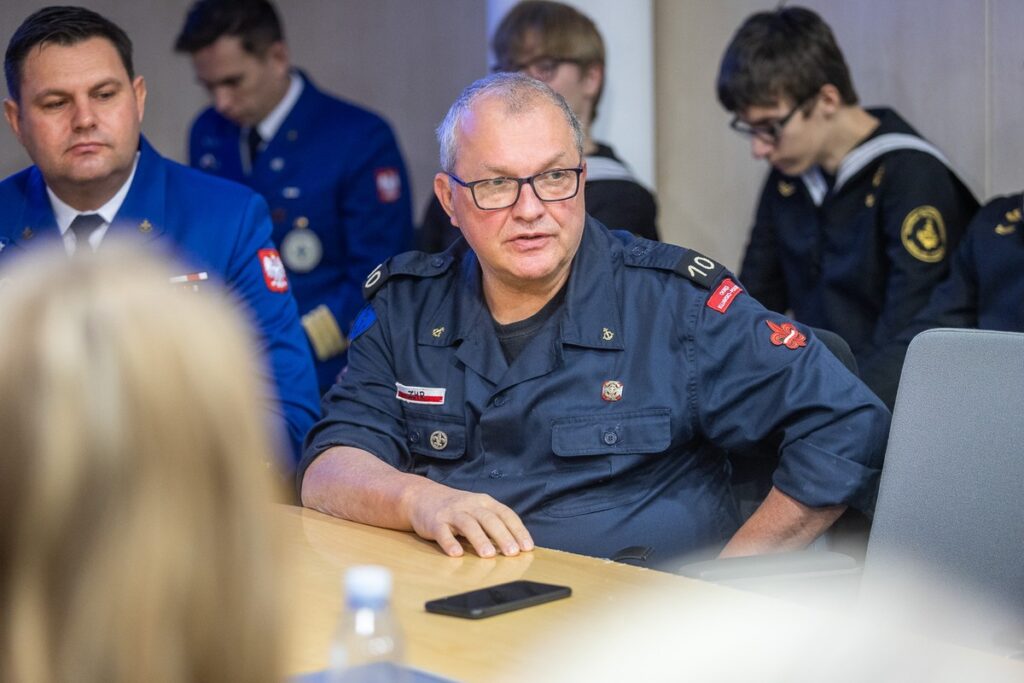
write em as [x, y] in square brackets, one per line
[504, 597]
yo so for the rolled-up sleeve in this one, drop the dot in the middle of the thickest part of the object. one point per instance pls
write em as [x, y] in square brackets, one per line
[748, 385]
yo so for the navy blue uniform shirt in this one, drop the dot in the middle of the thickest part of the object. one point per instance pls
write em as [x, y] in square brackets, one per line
[608, 429]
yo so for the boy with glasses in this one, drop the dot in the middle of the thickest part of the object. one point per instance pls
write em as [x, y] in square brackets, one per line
[859, 214]
[560, 46]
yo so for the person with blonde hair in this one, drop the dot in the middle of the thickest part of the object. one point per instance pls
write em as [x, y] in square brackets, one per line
[135, 543]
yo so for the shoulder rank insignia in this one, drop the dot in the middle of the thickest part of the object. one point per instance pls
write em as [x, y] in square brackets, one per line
[924, 234]
[699, 268]
[375, 280]
[786, 189]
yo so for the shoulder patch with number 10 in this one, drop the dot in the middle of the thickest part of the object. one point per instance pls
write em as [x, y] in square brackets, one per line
[699, 268]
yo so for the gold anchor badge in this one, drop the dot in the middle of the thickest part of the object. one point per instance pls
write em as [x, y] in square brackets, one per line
[786, 189]
[1005, 229]
[928, 236]
[924, 234]
[145, 226]
[1013, 216]
[607, 334]
[438, 331]
[877, 179]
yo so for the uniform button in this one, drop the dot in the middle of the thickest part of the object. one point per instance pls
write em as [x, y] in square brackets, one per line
[414, 437]
[496, 474]
[438, 261]
[610, 438]
[638, 250]
[499, 400]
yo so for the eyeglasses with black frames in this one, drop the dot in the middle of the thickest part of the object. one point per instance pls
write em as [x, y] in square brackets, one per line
[543, 67]
[769, 131]
[491, 194]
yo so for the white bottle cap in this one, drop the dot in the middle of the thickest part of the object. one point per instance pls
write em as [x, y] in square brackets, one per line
[367, 586]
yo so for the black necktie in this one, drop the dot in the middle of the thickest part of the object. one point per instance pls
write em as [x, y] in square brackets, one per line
[83, 226]
[254, 145]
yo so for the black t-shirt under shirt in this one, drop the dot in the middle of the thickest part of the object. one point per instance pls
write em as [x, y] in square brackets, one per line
[515, 337]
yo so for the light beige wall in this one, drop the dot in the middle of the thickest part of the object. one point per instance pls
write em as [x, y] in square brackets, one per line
[953, 68]
[405, 59]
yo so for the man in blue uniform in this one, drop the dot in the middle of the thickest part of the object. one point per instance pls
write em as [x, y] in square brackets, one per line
[859, 214]
[77, 106]
[330, 171]
[558, 44]
[547, 380]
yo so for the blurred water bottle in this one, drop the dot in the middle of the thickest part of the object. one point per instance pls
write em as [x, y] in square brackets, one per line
[367, 647]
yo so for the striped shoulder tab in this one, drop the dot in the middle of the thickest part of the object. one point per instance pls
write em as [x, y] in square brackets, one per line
[409, 264]
[697, 267]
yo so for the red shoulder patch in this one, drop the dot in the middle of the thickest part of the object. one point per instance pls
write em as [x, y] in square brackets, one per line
[389, 184]
[786, 335]
[724, 295]
[273, 270]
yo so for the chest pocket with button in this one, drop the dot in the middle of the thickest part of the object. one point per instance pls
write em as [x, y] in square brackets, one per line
[593, 453]
[436, 441]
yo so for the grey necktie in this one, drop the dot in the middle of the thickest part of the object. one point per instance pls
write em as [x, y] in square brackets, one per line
[83, 227]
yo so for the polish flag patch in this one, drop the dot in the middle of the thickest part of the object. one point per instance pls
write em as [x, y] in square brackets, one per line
[422, 395]
[273, 270]
[389, 184]
[724, 295]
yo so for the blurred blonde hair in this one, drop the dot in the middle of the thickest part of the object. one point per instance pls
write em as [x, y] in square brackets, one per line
[135, 543]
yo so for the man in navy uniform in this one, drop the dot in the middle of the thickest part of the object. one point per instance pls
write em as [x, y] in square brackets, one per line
[330, 171]
[76, 106]
[524, 387]
[558, 44]
[859, 214]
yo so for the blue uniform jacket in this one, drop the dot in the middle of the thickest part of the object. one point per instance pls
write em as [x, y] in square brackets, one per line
[339, 200]
[212, 226]
[609, 429]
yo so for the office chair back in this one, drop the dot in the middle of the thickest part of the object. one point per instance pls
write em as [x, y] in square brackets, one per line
[947, 543]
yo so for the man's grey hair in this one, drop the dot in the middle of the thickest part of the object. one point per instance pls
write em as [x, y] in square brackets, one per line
[520, 94]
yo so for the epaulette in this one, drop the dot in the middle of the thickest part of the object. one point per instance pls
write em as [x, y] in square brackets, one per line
[409, 264]
[693, 265]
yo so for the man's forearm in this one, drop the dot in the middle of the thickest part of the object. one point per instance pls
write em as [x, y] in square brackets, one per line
[352, 484]
[779, 524]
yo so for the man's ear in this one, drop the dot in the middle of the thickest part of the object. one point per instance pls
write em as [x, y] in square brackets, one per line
[593, 77]
[443, 190]
[278, 54]
[11, 113]
[139, 86]
[829, 99]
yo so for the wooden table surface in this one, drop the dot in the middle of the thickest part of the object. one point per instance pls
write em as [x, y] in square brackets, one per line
[621, 623]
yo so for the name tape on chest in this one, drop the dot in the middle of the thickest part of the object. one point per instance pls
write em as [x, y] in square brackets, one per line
[420, 395]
